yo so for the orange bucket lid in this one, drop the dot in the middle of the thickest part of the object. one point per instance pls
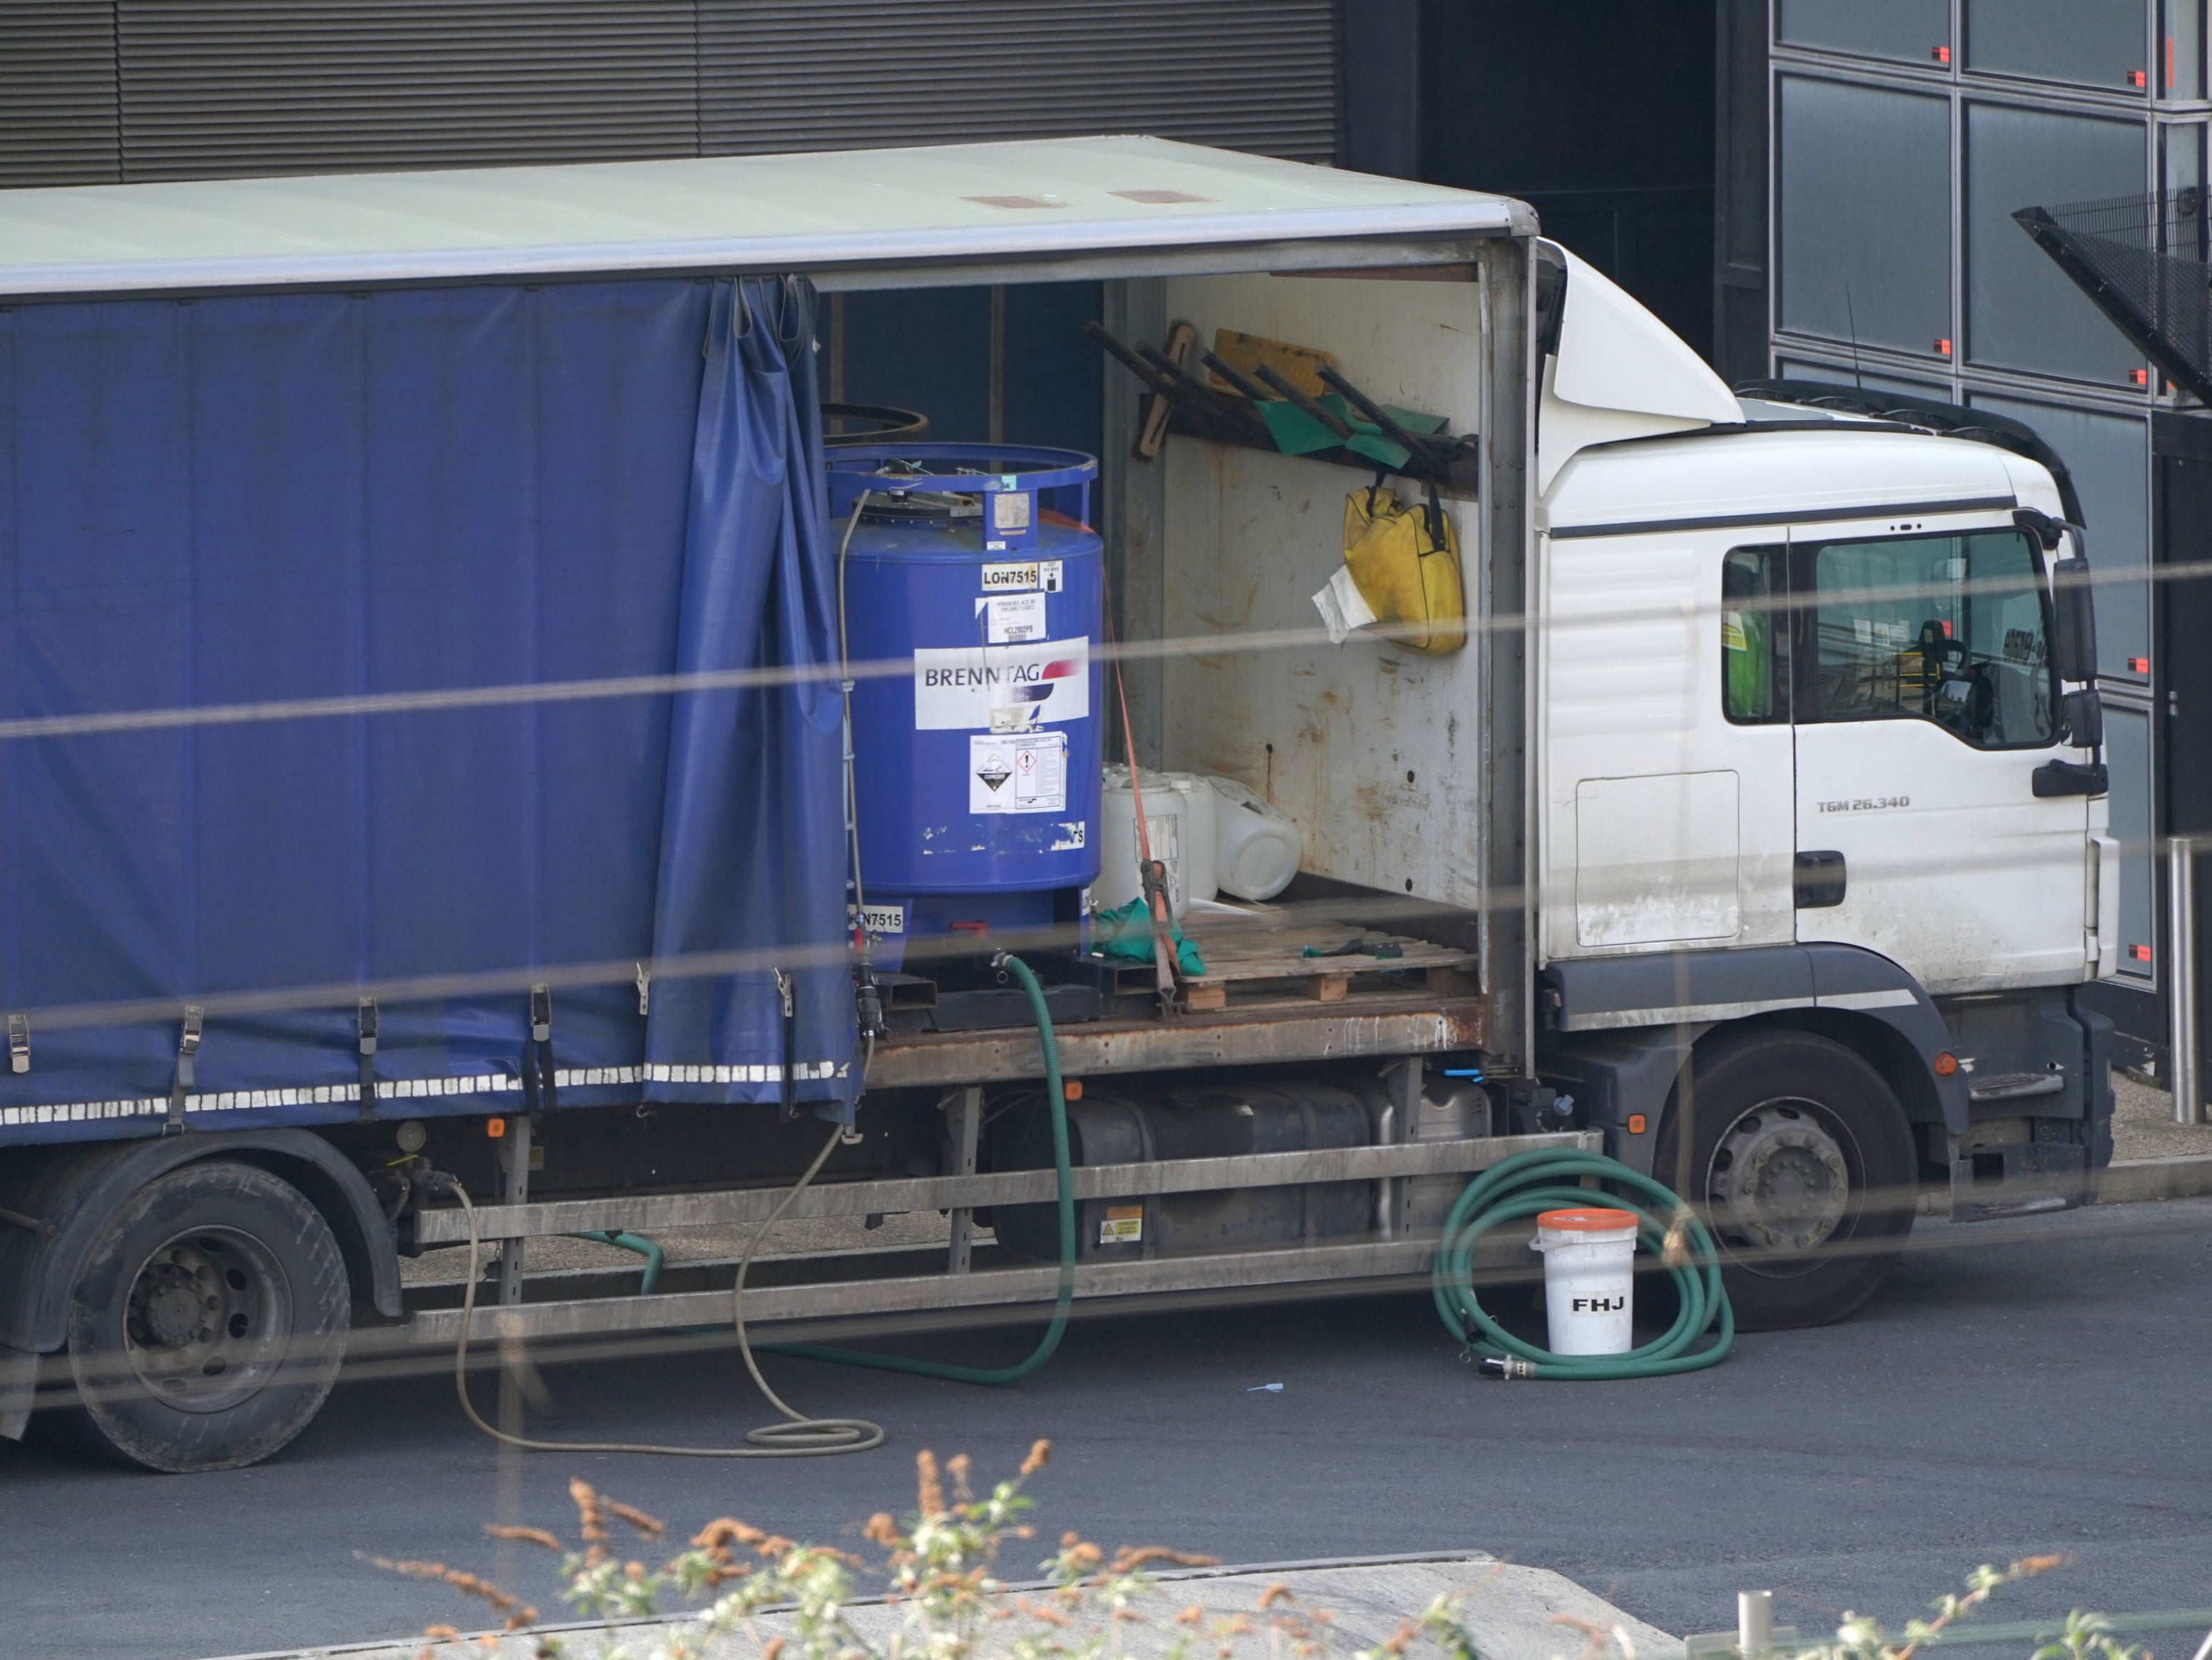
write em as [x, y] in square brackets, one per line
[1586, 1222]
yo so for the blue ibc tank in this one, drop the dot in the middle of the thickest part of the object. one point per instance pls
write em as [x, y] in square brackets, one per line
[976, 776]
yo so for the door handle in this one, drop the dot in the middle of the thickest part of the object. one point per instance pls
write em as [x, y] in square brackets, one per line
[1817, 878]
[2069, 778]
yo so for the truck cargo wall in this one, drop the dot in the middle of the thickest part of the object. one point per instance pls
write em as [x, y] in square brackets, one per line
[240, 500]
[1371, 749]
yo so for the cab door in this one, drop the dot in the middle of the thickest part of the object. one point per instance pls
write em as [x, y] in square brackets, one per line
[1924, 705]
[1666, 767]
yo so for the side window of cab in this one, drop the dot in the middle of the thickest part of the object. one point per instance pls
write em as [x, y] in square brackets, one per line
[1755, 636]
[1948, 629]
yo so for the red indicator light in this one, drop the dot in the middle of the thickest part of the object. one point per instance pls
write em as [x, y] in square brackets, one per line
[2139, 665]
[2140, 953]
[1941, 54]
[2138, 78]
[2141, 376]
[1942, 349]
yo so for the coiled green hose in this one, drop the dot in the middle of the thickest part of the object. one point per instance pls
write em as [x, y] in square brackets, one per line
[1057, 1094]
[1528, 1182]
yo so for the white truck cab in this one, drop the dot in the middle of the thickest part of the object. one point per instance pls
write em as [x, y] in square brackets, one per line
[1817, 764]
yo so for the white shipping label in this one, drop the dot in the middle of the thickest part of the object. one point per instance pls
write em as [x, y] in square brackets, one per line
[1041, 682]
[883, 919]
[1013, 619]
[1012, 576]
[1343, 608]
[1025, 772]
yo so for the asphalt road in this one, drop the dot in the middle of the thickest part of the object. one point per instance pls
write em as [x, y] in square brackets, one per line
[2019, 1387]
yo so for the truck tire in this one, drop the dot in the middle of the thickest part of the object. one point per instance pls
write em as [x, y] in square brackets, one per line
[1802, 1164]
[207, 1326]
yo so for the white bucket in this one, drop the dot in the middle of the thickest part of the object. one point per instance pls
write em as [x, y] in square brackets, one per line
[1180, 810]
[1590, 1280]
[1258, 848]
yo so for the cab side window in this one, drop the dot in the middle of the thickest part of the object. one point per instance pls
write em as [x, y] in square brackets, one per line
[1755, 636]
[1943, 628]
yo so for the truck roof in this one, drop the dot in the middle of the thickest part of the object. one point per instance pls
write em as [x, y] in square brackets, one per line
[1780, 476]
[1078, 207]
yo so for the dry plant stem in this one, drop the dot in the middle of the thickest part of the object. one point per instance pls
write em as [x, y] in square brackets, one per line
[945, 1592]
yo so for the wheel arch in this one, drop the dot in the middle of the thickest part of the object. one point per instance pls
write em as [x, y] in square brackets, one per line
[79, 1188]
[1875, 1041]
[1624, 1028]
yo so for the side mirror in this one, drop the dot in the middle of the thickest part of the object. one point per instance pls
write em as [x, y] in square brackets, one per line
[2074, 606]
[2082, 719]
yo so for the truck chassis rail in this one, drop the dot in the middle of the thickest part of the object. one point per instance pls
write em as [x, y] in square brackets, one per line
[961, 1285]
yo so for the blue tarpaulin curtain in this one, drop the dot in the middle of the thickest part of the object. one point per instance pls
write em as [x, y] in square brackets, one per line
[755, 799]
[241, 498]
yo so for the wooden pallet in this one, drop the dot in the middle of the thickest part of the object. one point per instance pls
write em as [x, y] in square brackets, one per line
[1258, 953]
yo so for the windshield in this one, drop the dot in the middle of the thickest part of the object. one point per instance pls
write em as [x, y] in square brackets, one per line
[1943, 628]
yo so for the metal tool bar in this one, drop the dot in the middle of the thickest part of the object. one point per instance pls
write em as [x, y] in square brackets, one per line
[1336, 1164]
[963, 1124]
[982, 1289]
[514, 1190]
[2183, 1029]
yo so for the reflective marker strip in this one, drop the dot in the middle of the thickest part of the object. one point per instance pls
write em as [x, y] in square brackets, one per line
[478, 1083]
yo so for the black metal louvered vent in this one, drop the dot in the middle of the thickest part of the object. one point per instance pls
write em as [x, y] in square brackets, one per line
[2143, 259]
[212, 89]
[58, 122]
[801, 74]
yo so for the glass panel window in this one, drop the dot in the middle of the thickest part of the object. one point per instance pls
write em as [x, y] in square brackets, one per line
[2109, 456]
[2022, 311]
[2181, 48]
[1755, 636]
[1908, 31]
[1865, 204]
[2092, 43]
[1943, 628]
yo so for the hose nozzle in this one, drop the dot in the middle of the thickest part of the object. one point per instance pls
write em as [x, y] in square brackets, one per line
[1505, 1365]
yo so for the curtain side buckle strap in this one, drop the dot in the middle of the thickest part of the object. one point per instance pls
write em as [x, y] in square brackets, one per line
[19, 1043]
[788, 991]
[365, 1025]
[538, 1095]
[188, 1051]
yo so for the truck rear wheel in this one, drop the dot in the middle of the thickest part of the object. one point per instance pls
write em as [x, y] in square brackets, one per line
[207, 1326]
[1802, 1162]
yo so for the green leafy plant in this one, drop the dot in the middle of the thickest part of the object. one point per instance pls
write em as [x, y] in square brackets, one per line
[943, 1598]
[2085, 1636]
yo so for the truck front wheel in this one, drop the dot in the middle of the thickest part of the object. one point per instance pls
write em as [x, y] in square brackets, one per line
[208, 1325]
[1802, 1162]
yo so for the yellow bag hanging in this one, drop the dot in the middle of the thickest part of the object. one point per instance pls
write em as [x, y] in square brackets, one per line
[1405, 561]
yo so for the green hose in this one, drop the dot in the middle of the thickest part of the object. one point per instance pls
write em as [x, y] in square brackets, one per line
[1543, 1180]
[653, 1255]
[1057, 1094]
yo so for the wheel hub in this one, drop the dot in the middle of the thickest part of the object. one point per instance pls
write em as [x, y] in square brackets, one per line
[1779, 1181]
[204, 1327]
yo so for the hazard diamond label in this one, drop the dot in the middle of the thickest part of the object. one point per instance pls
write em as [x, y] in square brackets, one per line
[1017, 773]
